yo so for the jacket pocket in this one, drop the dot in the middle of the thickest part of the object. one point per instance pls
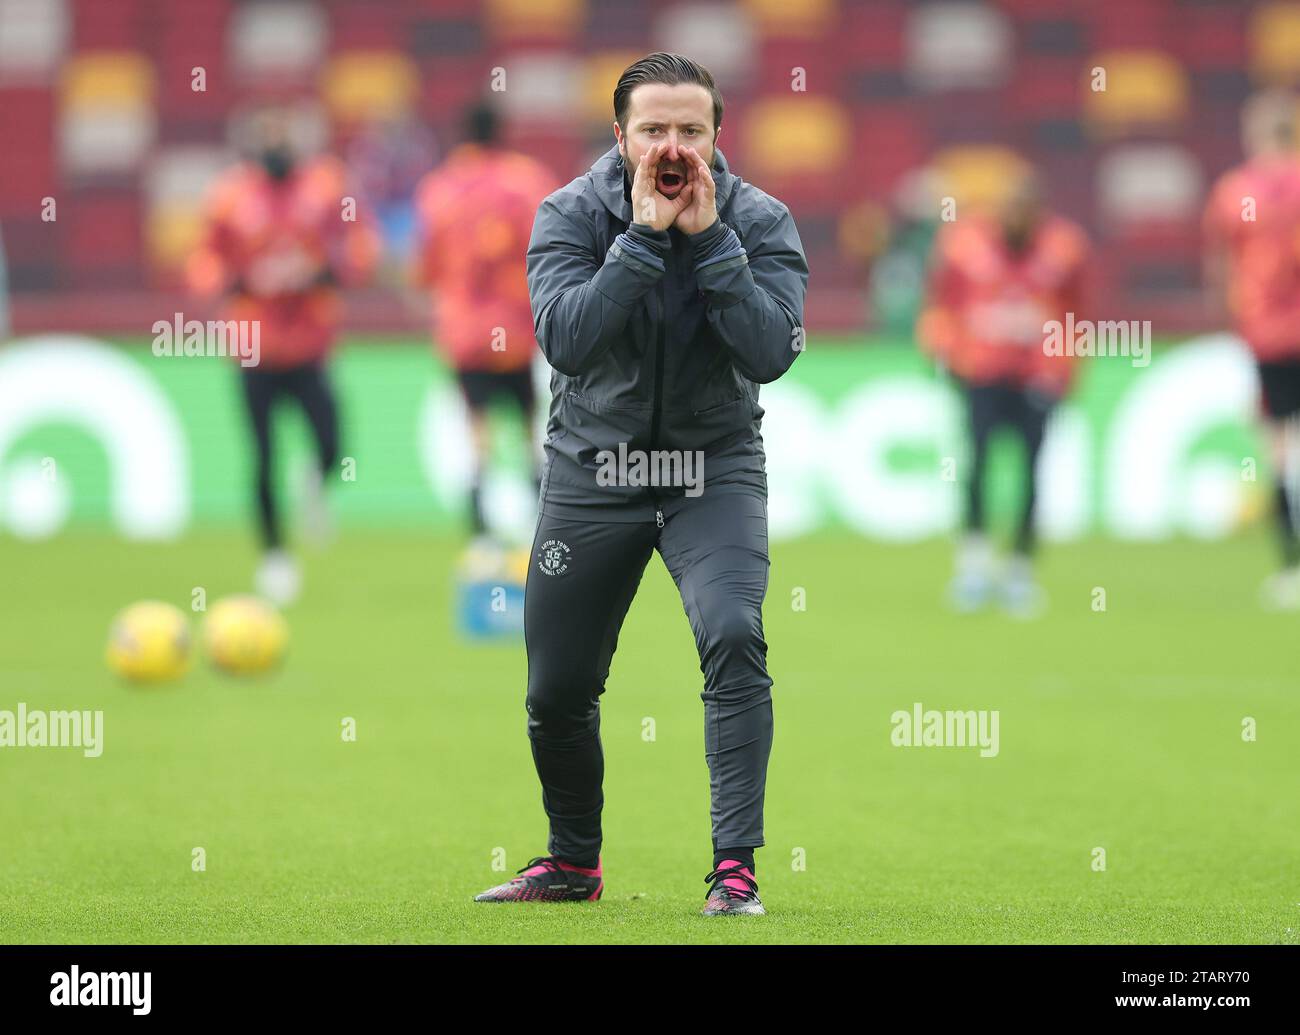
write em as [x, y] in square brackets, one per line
[592, 427]
[710, 428]
[709, 410]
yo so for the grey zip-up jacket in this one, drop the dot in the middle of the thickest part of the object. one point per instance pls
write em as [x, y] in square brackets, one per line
[658, 340]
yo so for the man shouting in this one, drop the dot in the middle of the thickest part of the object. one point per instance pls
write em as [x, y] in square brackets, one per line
[664, 291]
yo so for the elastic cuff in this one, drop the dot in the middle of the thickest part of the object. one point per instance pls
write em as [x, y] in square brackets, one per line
[705, 238]
[719, 243]
[656, 239]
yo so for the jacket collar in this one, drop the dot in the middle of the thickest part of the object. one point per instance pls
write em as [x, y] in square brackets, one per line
[610, 179]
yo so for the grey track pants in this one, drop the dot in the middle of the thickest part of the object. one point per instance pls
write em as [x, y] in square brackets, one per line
[581, 581]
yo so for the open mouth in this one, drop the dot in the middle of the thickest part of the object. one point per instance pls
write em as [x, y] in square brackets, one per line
[671, 181]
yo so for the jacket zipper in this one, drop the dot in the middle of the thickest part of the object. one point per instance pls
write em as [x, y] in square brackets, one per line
[659, 394]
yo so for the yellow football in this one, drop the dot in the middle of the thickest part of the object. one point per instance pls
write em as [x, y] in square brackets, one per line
[150, 642]
[244, 635]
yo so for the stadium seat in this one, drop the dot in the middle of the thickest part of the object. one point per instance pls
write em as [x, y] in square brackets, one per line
[107, 118]
[175, 184]
[368, 84]
[871, 35]
[1149, 182]
[782, 18]
[1044, 87]
[184, 38]
[102, 233]
[355, 27]
[958, 117]
[27, 114]
[1123, 25]
[1273, 43]
[721, 37]
[1067, 178]
[542, 85]
[795, 66]
[1214, 37]
[445, 96]
[278, 40]
[33, 37]
[797, 135]
[602, 70]
[107, 78]
[115, 26]
[446, 38]
[534, 19]
[1144, 89]
[957, 45]
[976, 176]
[618, 24]
[888, 141]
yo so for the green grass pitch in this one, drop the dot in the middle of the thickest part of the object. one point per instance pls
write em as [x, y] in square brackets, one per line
[1119, 730]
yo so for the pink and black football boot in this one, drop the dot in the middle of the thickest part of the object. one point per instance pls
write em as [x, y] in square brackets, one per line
[548, 879]
[734, 890]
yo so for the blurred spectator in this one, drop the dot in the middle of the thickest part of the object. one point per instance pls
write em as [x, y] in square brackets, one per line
[1252, 229]
[475, 217]
[386, 160]
[281, 235]
[997, 282]
[897, 287]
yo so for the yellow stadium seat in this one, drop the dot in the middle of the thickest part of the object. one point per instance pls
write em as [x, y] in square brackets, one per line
[107, 79]
[1273, 43]
[172, 231]
[977, 177]
[1141, 88]
[560, 19]
[783, 18]
[367, 84]
[809, 134]
[603, 70]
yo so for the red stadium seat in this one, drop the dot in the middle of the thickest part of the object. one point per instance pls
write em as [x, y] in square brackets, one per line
[102, 239]
[30, 172]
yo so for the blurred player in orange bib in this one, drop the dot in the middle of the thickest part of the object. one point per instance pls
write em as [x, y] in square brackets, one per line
[1252, 230]
[475, 215]
[997, 281]
[280, 237]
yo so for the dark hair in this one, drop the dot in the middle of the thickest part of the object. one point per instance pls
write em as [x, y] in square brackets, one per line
[669, 69]
[482, 123]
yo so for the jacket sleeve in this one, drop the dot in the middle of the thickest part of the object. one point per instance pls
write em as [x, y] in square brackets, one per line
[939, 324]
[755, 296]
[211, 269]
[581, 300]
[1051, 374]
